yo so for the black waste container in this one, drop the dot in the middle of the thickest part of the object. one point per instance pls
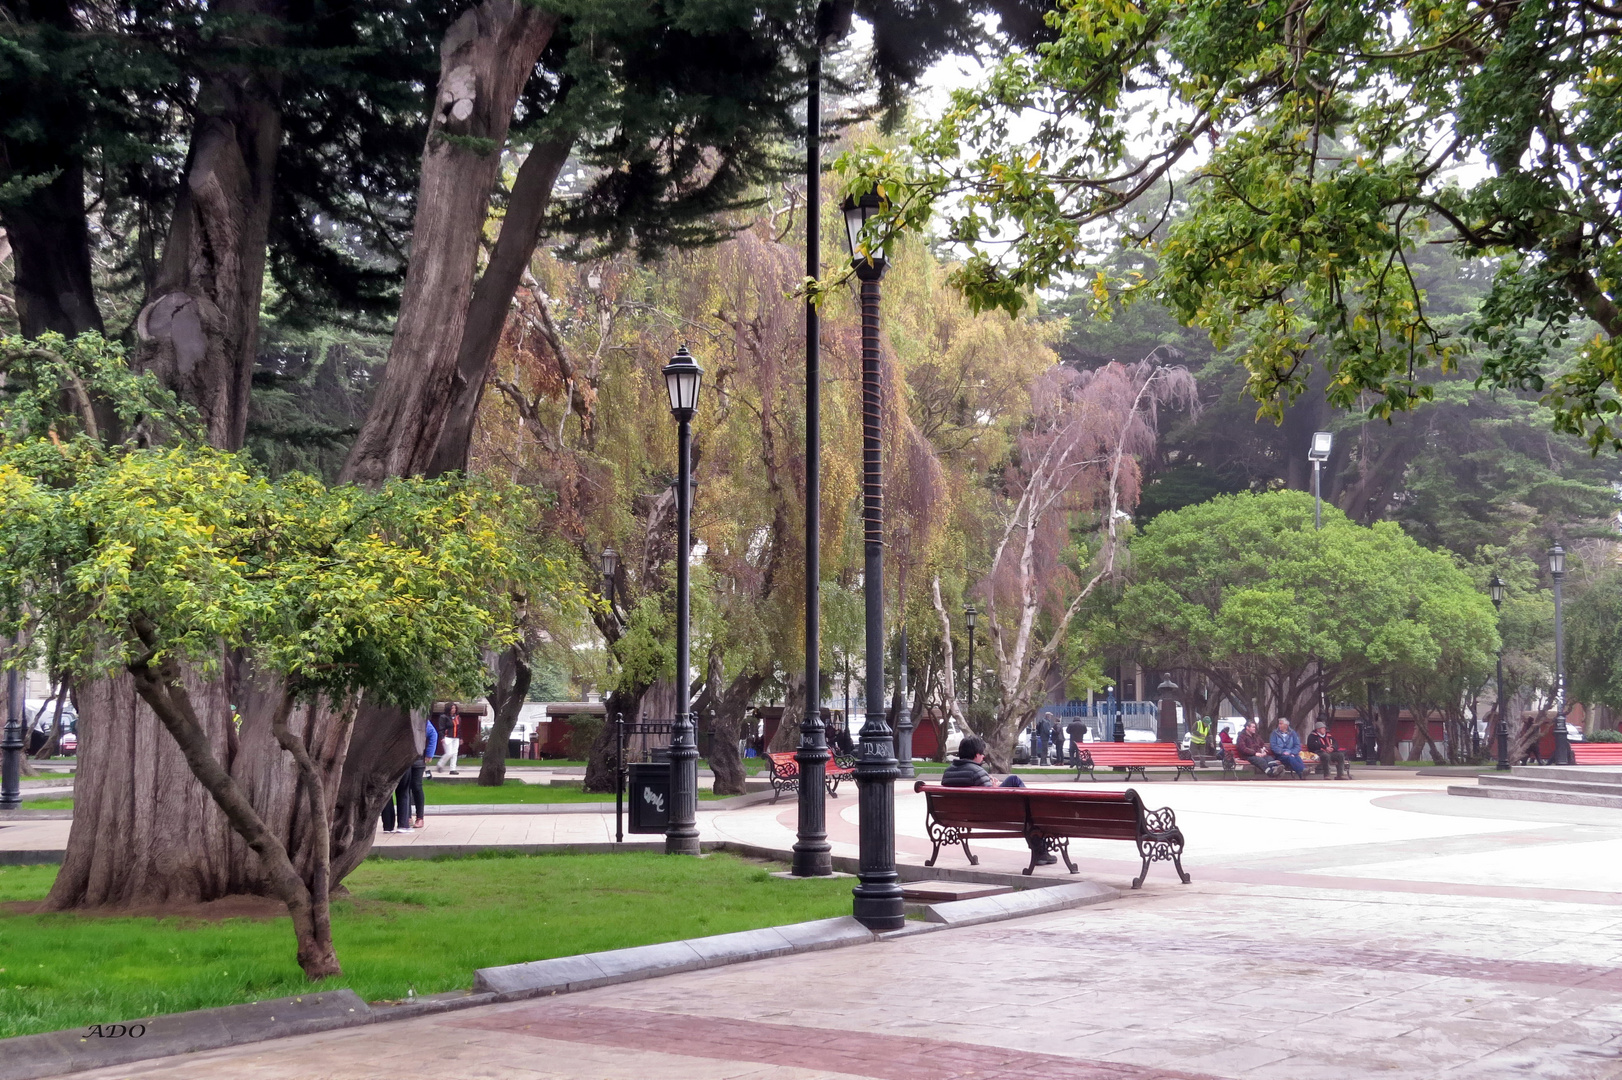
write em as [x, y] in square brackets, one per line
[515, 748]
[649, 797]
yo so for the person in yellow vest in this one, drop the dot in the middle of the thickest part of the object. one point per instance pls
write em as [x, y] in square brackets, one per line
[1202, 741]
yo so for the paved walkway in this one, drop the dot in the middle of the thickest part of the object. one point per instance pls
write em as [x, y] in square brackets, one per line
[1346, 930]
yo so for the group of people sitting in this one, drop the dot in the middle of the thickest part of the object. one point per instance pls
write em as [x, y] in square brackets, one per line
[1281, 750]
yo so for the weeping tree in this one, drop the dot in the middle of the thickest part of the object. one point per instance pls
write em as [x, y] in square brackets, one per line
[1077, 463]
[139, 549]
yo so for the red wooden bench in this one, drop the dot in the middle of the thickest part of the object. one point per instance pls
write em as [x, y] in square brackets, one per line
[957, 815]
[1133, 757]
[1596, 753]
[786, 773]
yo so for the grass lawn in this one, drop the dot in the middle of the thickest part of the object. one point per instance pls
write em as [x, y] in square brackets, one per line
[512, 793]
[408, 925]
[516, 791]
[750, 765]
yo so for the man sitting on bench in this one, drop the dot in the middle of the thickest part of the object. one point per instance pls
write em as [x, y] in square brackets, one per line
[1286, 746]
[1251, 748]
[969, 771]
[1322, 743]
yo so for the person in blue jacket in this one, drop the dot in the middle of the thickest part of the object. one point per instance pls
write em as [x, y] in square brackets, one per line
[1286, 746]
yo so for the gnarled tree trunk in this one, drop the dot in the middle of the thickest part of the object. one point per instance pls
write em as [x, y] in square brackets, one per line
[485, 60]
[507, 696]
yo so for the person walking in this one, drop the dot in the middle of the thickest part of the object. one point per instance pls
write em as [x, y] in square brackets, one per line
[450, 743]
[1286, 747]
[1039, 739]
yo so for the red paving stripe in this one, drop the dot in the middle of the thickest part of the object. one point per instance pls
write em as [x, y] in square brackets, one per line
[1417, 961]
[858, 1053]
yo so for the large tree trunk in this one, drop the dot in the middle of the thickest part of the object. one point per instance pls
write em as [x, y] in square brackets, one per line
[485, 60]
[199, 331]
[601, 761]
[506, 699]
[492, 297]
[725, 710]
[51, 243]
[145, 831]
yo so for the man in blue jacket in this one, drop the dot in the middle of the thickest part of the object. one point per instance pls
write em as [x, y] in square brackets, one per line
[1286, 746]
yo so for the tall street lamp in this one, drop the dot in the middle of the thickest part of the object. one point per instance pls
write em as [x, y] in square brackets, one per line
[878, 904]
[969, 617]
[682, 379]
[812, 855]
[11, 744]
[1321, 443]
[903, 715]
[1562, 738]
[1495, 588]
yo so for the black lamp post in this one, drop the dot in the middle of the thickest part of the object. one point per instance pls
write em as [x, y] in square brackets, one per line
[11, 745]
[878, 904]
[969, 617]
[812, 855]
[1562, 738]
[1495, 589]
[682, 379]
[903, 715]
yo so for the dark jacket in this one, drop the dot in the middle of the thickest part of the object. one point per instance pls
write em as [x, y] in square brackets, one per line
[1321, 744]
[1250, 744]
[965, 773]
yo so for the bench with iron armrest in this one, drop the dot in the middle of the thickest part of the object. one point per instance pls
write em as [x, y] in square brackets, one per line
[1133, 757]
[1596, 753]
[786, 773]
[1054, 818]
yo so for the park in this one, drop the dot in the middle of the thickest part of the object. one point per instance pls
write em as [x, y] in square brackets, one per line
[1001, 538]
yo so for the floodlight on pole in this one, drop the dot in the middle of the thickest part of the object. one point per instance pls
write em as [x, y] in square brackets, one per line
[1322, 442]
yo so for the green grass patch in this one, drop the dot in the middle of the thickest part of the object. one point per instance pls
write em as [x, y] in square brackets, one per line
[516, 791]
[512, 793]
[409, 924]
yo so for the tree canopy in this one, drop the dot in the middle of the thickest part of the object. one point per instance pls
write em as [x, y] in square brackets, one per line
[1245, 592]
[1318, 145]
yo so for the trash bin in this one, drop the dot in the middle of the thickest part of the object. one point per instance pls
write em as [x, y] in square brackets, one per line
[515, 748]
[649, 797]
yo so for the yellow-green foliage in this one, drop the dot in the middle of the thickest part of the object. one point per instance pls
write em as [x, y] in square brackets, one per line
[115, 551]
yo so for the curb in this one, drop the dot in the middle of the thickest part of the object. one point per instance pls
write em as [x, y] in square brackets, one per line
[27, 1057]
[30, 1057]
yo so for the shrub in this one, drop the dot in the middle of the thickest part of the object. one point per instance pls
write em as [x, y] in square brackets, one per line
[583, 731]
[1604, 735]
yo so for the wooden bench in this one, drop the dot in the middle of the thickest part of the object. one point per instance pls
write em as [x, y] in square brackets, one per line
[1133, 757]
[1231, 765]
[786, 773]
[1596, 753]
[957, 815]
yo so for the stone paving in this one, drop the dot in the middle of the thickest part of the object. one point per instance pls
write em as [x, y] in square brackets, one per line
[1346, 930]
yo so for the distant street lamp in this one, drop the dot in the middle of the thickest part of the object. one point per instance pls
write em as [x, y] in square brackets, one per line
[1562, 737]
[969, 616]
[878, 904]
[11, 744]
[1321, 442]
[683, 377]
[1495, 589]
[903, 715]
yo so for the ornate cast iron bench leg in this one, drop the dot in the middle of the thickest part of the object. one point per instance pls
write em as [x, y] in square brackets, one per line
[945, 834]
[1057, 845]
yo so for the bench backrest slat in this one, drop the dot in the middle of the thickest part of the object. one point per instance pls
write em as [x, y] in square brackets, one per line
[1597, 753]
[1133, 753]
[1105, 815]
